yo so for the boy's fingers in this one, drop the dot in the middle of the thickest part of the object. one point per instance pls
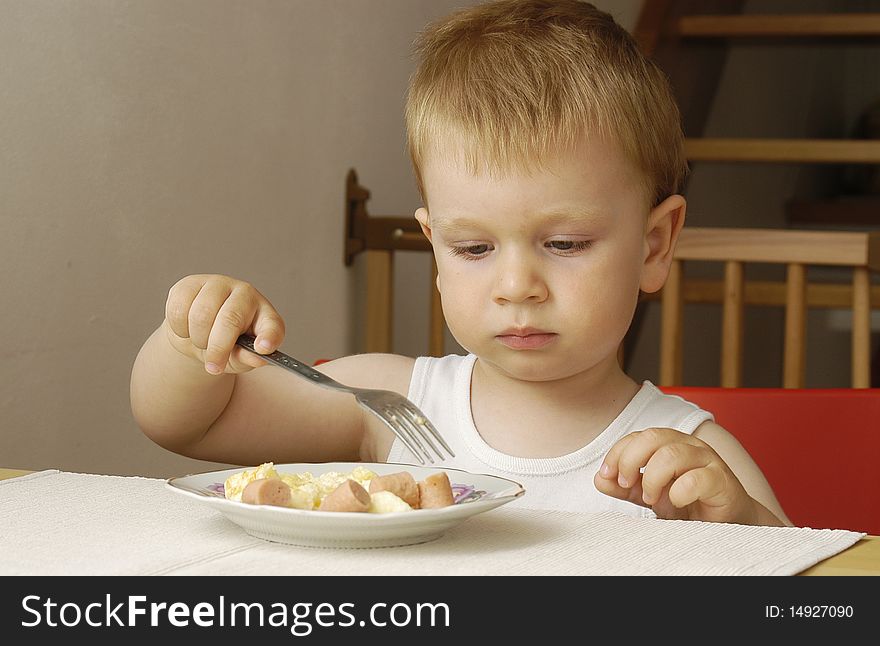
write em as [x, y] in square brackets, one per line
[203, 311]
[608, 470]
[668, 463]
[702, 484]
[268, 328]
[211, 312]
[642, 445]
[241, 357]
[665, 509]
[178, 305]
[609, 487]
[233, 317]
[634, 494]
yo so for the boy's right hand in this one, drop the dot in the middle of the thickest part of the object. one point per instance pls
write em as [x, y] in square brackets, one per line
[205, 314]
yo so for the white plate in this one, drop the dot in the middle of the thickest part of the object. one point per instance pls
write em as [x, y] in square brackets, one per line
[475, 493]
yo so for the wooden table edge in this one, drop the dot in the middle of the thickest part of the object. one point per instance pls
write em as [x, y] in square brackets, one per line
[5, 474]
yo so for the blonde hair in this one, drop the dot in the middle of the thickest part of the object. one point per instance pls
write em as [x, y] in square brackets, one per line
[507, 83]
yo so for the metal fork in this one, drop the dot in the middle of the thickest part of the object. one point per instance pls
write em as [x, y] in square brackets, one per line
[398, 413]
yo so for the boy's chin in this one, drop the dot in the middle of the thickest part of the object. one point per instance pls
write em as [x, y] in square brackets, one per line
[535, 366]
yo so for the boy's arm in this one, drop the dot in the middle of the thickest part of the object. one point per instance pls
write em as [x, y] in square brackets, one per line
[263, 415]
[746, 471]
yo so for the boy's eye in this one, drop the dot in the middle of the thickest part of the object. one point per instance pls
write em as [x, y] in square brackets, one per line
[569, 246]
[471, 252]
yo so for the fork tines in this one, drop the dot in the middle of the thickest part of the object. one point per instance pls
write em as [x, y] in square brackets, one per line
[415, 431]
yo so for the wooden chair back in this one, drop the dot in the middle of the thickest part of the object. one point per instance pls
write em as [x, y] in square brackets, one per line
[859, 251]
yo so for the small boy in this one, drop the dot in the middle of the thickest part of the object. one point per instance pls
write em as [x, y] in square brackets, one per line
[548, 153]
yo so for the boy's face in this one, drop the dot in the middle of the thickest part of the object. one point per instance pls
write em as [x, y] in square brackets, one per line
[539, 272]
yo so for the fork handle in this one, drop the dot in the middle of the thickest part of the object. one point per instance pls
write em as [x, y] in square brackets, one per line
[294, 365]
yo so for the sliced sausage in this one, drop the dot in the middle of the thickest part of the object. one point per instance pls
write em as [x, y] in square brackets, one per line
[402, 485]
[435, 491]
[267, 491]
[349, 496]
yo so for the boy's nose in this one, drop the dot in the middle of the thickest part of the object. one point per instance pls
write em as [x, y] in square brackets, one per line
[519, 281]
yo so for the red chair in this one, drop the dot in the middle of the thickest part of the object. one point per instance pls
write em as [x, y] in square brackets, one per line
[818, 448]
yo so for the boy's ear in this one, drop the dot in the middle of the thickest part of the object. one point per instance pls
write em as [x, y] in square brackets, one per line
[661, 233]
[425, 222]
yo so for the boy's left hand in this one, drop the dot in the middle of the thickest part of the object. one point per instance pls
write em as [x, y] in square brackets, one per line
[683, 478]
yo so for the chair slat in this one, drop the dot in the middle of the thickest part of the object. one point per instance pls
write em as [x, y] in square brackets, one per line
[437, 325]
[772, 293]
[379, 317]
[861, 329]
[671, 327]
[780, 25]
[795, 326]
[732, 325]
[843, 248]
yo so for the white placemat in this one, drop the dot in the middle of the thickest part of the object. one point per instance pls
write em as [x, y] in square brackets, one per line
[55, 523]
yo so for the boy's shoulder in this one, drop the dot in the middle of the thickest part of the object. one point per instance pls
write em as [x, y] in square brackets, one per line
[372, 370]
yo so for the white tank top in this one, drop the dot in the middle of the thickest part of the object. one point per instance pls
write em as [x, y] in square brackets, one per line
[441, 388]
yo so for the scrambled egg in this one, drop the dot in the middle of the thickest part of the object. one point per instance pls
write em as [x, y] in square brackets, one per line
[307, 491]
[236, 483]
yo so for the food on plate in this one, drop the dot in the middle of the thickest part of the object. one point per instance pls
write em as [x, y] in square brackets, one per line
[402, 485]
[306, 491]
[349, 496]
[267, 491]
[360, 490]
[385, 502]
[435, 491]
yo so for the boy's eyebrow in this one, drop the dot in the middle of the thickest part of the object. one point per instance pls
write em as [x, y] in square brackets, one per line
[551, 218]
[453, 224]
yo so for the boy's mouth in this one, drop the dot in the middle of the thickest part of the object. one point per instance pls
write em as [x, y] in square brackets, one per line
[526, 338]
